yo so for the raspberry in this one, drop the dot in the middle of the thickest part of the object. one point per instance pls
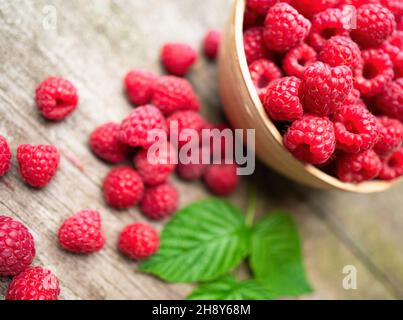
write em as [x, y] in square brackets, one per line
[154, 169]
[5, 156]
[139, 86]
[260, 6]
[309, 8]
[391, 136]
[282, 102]
[311, 139]
[395, 6]
[139, 241]
[254, 46]
[400, 24]
[262, 72]
[38, 164]
[35, 283]
[105, 143]
[17, 247]
[356, 129]
[375, 24]
[136, 127]
[221, 179]
[392, 166]
[324, 89]
[353, 98]
[284, 28]
[397, 40]
[211, 43]
[173, 94]
[358, 167]
[160, 202]
[297, 59]
[222, 143]
[81, 233]
[338, 51]
[56, 98]
[251, 19]
[390, 101]
[177, 58]
[123, 188]
[191, 171]
[375, 72]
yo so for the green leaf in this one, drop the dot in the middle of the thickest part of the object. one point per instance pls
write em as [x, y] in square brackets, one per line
[227, 288]
[276, 258]
[202, 242]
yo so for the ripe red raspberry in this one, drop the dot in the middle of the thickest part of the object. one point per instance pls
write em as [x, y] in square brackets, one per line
[400, 24]
[17, 247]
[105, 143]
[81, 232]
[191, 171]
[324, 88]
[325, 25]
[254, 46]
[177, 58]
[392, 166]
[251, 19]
[263, 72]
[5, 156]
[139, 86]
[136, 127]
[390, 101]
[375, 24]
[309, 8]
[297, 59]
[221, 145]
[160, 202]
[155, 168]
[174, 94]
[211, 43]
[139, 241]
[35, 283]
[311, 139]
[340, 51]
[353, 98]
[356, 129]
[38, 164]
[123, 188]
[374, 73]
[358, 167]
[260, 6]
[397, 40]
[391, 136]
[221, 179]
[56, 98]
[284, 28]
[282, 102]
[395, 6]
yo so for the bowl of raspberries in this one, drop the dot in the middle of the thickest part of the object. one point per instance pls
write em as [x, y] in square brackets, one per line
[322, 84]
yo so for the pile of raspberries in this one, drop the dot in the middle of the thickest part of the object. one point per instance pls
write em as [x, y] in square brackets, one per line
[334, 89]
[159, 100]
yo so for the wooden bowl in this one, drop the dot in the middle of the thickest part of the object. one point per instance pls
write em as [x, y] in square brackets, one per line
[245, 111]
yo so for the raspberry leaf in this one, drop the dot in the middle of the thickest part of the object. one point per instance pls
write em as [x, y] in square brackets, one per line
[276, 258]
[201, 243]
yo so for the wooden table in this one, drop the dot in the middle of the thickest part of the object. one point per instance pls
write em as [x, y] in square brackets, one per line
[94, 45]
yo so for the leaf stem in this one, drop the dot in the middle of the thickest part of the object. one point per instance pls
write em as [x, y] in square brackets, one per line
[251, 209]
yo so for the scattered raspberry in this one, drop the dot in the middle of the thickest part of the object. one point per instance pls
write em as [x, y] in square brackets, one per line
[254, 46]
[260, 6]
[123, 187]
[139, 241]
[358, 167]
[155, 168]
[35, 283]
[375, 24]
[311, 139]
[282, 102]
[177, 58]
[105, 143]
[5, 156]
[160, 202]
[324, 89]
[139, 86]
[309, 8]
[17, 247]
[375, 72]
[338, 51]
[392, 166]
[221, 179]
[391, 136]
[38, 164]
[263, 72]
[390, 101]
[56, 98]
[81, 233]
[211, 43]
[174, 94]
[297, 59]
[356, 129]
[284, 28]
[135, 128]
